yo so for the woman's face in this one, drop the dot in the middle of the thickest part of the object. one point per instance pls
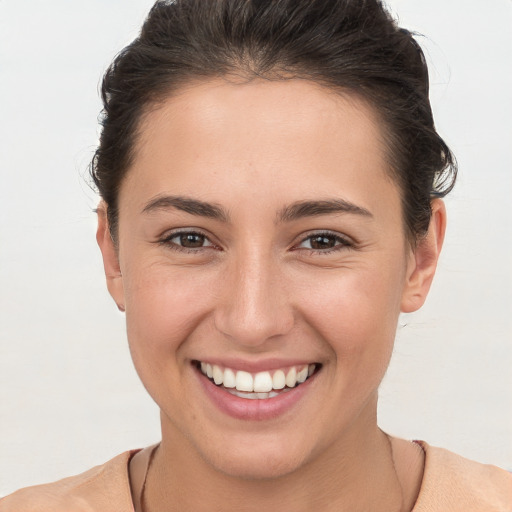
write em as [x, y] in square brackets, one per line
[260, 234]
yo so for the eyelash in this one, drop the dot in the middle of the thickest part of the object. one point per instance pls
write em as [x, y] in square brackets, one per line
[167, 241]
[342, 242]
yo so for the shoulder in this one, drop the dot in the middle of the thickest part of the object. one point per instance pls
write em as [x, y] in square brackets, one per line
[104, 488]
[454, 483]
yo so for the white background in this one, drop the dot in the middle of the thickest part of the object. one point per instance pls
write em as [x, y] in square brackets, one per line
[69, 398]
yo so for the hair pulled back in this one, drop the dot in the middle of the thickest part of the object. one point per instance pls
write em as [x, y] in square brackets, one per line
[351, 46]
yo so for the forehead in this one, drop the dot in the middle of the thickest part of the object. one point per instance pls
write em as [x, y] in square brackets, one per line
[299, 109]
[293, 136]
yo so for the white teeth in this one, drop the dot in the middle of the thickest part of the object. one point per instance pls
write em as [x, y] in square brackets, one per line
[218, 375]
[255, 396]
[229, 378]
[259, 385]
[262, 382]
[250, 396]
[279, 380]
[302, 375]
[291, 377]
[244, 381]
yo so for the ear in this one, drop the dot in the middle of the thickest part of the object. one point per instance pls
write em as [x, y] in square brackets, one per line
[110, 257]
[424, 260]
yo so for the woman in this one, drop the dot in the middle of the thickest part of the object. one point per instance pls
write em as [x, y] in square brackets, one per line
[271, 184]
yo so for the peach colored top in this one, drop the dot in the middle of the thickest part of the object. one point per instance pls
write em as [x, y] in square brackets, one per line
[450, 484]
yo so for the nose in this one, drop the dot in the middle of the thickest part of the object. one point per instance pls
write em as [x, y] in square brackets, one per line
[254, 306]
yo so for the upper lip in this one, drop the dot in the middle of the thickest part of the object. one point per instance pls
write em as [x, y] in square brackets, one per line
[261, 365]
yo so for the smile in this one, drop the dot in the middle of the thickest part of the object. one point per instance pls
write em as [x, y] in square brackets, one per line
[261, 385]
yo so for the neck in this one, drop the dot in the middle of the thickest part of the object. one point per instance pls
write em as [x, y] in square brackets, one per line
[358, 473]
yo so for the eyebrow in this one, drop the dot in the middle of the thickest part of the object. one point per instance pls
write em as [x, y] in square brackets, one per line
[303, 209]
[295, 211]
[188, 205]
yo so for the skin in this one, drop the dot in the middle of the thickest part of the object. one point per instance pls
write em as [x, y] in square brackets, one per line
[258, 291]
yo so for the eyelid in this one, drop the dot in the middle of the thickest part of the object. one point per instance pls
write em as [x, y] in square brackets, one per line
[344, 241]
[167, 236]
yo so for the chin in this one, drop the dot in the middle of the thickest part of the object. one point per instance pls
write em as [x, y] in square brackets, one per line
[256, 460]
[261, 466]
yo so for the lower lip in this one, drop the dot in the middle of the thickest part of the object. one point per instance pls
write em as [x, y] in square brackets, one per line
[256, 409]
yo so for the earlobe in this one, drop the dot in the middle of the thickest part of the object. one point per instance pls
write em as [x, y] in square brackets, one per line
[110, 257]
[424, 260]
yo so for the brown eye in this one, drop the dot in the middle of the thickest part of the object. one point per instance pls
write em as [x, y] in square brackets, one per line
[188, 240]
[320, 242]
[324, 242]
[192, 240]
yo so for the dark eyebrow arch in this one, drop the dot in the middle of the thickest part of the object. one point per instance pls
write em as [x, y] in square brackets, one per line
[188, 205]
[303, 209]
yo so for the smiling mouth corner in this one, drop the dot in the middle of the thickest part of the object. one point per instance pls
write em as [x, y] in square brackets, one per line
[260, 385]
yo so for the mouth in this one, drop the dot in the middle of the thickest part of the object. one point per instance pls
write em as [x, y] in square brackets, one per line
[262, 385]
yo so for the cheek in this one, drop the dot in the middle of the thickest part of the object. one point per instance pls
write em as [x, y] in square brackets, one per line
[356, 313]
[163, 307]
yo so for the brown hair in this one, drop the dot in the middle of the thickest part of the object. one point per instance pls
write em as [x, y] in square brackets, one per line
[346, 45]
